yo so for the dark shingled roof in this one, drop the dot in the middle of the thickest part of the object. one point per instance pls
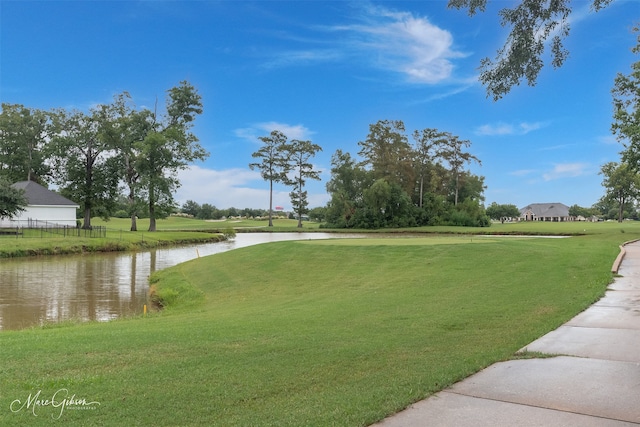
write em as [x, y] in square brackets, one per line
[37, 195]
[547, 210]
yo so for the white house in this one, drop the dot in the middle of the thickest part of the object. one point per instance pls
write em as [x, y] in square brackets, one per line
[43, 207]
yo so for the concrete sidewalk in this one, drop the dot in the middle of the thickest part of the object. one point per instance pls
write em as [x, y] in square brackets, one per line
[595, 383]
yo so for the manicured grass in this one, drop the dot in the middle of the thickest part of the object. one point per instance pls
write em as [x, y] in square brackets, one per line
[311, 333]
[35, 242]
[181, 223]
[173, 230]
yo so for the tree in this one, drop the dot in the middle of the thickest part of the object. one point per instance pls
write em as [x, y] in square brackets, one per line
[388, 153]
[123, 128]
[348, 181]
[377, 196]
[273, 162]
[471, 187]
[84, 161]
[168, 147]
[12, 200]
[299, 155]
[532, 23]
[23, 135]
[622, 184]
[626, 112]
[318, 214]
[206, 211]
[577, 210]
[428, 144]
[191, 208]
[500, 212]
[452, 152]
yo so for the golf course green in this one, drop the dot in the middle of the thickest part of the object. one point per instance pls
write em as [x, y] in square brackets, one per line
[311, 333]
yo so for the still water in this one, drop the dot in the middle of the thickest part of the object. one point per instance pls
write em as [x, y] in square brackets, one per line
[101, 286]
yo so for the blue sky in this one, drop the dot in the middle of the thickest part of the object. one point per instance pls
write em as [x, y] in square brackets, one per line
[324, 71]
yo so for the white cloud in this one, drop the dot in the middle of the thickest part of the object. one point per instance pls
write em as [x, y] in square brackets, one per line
[566, 170]
[396, 41]
[501, 128]
[609, 140]
[239, 188]
[523, 172]
[265, 128]
[302, 57]
[403, 43]
[495, 129]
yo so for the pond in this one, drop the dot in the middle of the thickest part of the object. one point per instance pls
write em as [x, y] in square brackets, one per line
[103, 286]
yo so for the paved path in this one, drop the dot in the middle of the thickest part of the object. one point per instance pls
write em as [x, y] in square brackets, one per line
[595, 383]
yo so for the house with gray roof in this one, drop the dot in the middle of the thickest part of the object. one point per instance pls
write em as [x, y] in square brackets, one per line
[555, 212]
[43, 206]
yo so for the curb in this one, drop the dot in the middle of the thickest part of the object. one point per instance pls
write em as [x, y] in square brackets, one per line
[616, 264]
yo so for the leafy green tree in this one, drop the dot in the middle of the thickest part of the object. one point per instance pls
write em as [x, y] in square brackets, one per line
[577, 210]
[621, 183]
[469, 213]
[532, 23]
[388, 153]
[385, 205]
[346, 187]
[168, 147]
[12, 200]
[499, 212]
[123, 128]
[318, 214]
[471, 187]
[206, 211]
[428, 144]
[23, 135]
[626, 112]
[273, 162]
[83, 161]
[377, 196]
[191, 208]
[452, 152]
[299, 154]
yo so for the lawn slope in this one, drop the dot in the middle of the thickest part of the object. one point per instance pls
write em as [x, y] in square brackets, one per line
[308, 333]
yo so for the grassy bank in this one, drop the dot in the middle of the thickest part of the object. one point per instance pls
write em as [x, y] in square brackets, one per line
[118, 238]
[340, 332]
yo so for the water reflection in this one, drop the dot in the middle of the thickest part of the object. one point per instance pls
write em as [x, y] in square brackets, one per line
[99, 287]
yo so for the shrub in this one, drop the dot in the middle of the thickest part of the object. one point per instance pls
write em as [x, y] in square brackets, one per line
[229, 233]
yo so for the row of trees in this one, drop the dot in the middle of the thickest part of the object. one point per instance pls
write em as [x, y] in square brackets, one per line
[397, 184]
[92, 156]
[208, 211]
[287, 162]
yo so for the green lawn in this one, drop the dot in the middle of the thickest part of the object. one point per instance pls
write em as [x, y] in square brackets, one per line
[181, 223]
[312, 333]
[118, 238]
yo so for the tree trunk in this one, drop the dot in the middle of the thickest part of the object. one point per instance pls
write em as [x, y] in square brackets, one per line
[89, 184]
[87, 218]
[134, 225]
[152, 209]
[132, 210]
[152, 217]
[132, 194]
[456, 199]
[270, 202]
[421, 188]
[621, 209]
[300, 206]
